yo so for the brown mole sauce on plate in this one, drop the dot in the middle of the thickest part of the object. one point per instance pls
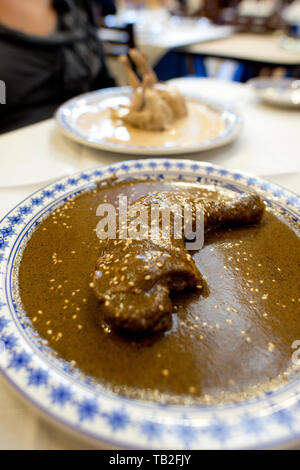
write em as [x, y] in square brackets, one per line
[223, 346]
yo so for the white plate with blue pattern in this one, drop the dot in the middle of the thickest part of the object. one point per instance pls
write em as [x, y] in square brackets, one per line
[282, 92]
[70, 114]
[267, 420]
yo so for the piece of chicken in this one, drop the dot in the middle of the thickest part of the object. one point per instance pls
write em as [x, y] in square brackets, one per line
[134, 277]
[154, 105]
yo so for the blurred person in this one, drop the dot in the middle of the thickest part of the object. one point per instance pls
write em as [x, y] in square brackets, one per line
[49, 52]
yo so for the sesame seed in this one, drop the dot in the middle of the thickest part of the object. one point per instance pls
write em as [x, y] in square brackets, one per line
[271, 347]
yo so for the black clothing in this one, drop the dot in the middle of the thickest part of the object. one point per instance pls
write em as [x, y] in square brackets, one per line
[42, 72]
[104, 7]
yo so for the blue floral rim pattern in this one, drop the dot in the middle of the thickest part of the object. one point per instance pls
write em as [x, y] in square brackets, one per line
[269, 419]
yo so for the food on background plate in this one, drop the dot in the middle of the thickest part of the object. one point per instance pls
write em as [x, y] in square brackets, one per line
[153, 114]
[229, 340]
[154, 105]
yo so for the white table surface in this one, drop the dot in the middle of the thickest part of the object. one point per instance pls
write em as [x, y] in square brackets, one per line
[268, 146]
[268, 143]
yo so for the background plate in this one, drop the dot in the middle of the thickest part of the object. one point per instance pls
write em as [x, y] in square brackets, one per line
[67, 114]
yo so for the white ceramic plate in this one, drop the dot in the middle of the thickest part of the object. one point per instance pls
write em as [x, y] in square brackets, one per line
[291, 44]
[67, 120]
[267, 420]
[283, 92]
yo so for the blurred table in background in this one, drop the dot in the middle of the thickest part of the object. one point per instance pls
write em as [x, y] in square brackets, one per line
[251, 49]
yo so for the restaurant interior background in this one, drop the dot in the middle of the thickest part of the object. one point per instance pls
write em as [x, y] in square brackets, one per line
[167, 29]
[211, 48]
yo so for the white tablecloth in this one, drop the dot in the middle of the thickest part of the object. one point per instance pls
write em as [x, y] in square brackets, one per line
[263, 48]
[268, 145]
